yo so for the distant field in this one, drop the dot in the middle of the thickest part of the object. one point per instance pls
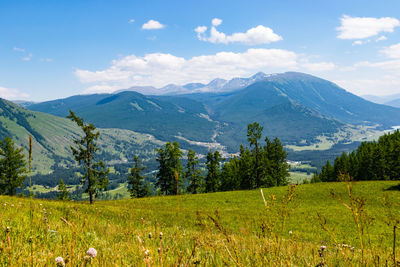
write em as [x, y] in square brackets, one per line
[242, 232]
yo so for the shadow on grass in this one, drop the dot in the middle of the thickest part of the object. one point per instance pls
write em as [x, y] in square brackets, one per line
[393, 188]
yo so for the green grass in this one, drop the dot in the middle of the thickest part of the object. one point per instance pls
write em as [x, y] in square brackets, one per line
[193, 233]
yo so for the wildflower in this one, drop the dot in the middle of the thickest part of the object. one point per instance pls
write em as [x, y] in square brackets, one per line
[60, 261]
[147, 252]
[150, 235]
[323, 248]
[290, 232]
[91, 252]
[161, 234]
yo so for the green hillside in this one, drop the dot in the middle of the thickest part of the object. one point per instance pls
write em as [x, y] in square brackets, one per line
[53, 137]
[163, 117]
[230, 228]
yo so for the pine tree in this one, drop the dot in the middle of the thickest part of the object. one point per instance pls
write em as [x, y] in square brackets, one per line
[230, 175]
[246, 177]
[275, 168]
[12, 167]
[96, 173]
[192, 174]
[254, 132]
[137, 187]
[62, 189]
[170, 168]
[213, 172]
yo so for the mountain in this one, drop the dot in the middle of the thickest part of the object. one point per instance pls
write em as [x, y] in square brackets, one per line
[381, 99]
[53, 135]
[162, 116]
[296, 107]
[394, 103]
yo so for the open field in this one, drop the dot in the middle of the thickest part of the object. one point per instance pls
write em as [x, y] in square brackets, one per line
[230, 228]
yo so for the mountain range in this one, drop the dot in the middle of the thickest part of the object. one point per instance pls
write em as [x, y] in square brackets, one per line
[298, 108]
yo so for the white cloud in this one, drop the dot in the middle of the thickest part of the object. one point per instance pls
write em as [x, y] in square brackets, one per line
[216, 22]
[385, 85]
[152, 25]
[381, 38]
[254, 36]
[159, 69]
[131, 21]
[392, 51]
[18, 49]
[27, 58]
[365, 27]
[319, 66]
[200, 31]
[12, 94]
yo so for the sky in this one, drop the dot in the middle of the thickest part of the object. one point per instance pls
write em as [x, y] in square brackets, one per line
[55, 49]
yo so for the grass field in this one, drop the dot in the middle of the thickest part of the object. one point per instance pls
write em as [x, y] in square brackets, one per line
[230, 228]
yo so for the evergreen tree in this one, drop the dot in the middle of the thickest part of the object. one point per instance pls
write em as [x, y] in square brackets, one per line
[246, 177]
[193, 175]
[230, 175]
[136, 186]
[62, 189]
[96, 173]
[254, 132]
[213, 172]
[12, 167]
[275, 167]
[170, 169]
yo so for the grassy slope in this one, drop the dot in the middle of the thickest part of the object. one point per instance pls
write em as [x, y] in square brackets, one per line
[52, 137]
[112, 228]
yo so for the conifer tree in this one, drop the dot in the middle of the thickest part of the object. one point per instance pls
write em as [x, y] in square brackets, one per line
[192, 174]
[170, 168]
[254, 132]
[62, 189]
[12, 167]
[137, 187]
[213, 172]
[95, 173]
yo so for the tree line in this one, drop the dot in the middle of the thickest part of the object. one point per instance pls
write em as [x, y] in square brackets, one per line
[255, 166]
[377, 160]
[259, 165]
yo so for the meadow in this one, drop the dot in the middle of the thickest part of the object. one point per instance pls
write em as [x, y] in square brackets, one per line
[322, 224]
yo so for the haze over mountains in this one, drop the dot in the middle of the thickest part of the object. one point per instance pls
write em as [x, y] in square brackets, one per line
[295, 107]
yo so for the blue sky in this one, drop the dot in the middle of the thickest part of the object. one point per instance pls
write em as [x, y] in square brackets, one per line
[55, 49]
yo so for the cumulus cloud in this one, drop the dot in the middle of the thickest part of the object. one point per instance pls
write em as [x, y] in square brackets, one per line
[365, 27]
[131, 21]
[392, 51]
[254, 36]
[216, 22]
[159, 69]
[12, 94]
[152, 25]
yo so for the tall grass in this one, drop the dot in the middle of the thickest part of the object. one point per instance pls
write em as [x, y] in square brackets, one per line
[219, 229]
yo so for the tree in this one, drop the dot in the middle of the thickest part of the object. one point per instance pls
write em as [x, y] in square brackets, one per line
[95, 173]
[170, 168]
[137, 187]
[193, 175]
[213, 173]
[62, 189]
[275, 167]
[254, 132]
[12, 167]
